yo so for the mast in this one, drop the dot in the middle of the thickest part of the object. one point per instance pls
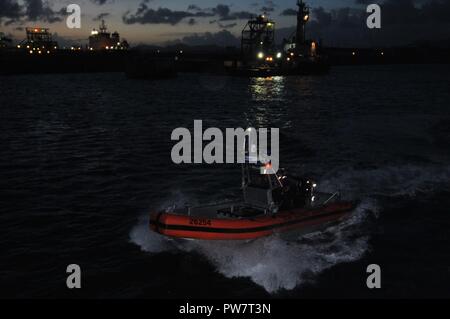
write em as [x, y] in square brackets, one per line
[302, 19]
[103, 28]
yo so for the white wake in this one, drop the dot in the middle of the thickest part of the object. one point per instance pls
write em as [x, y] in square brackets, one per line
[275, 263]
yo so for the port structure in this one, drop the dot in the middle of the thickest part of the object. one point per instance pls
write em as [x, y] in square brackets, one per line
[298, 46]
[38, 41]
[258, 39]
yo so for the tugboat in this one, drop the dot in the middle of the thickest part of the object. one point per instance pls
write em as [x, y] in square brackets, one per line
[272, 203]
[261, 57]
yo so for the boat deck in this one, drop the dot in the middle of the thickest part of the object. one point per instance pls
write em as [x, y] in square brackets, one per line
[241, 209]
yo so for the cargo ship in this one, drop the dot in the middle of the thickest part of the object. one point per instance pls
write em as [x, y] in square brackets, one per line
[38, 41]
[40, 53]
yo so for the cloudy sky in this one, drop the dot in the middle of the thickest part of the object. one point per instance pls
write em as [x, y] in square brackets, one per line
[337, 22]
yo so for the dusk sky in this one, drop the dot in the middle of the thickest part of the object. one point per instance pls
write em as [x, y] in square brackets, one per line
[340, 22]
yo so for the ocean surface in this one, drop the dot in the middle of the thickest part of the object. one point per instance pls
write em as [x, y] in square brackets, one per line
[85, 157]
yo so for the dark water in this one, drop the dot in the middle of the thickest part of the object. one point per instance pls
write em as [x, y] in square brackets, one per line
[84, 158]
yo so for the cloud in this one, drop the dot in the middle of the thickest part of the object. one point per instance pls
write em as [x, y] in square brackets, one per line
[10, 9]
[267, 9]
[224, 13]
[227, 26]
[323, 17]
[38, 10]
[403, 22]
[146, 15]
[194, 7]
[100, 2]
[222, 10]
[289, 12]
[29, 10]
[269, 6]
[222, 38]
[9, 22]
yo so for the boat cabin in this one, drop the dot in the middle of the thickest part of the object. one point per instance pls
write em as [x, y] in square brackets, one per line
[276, 191]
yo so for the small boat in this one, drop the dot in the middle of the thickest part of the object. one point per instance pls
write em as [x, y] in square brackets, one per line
[275, 203]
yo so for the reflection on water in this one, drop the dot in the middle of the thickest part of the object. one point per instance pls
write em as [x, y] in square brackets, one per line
[80, 162]
[268, 88]
[270, 109]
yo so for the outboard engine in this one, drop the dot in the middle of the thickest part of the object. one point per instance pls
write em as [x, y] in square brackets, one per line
[296, 192]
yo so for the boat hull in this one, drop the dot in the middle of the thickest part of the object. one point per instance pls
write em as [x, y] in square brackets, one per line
[194, 227]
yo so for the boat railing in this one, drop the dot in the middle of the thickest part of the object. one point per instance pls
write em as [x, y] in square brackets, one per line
[231, 204]
[228, 203]
[330, 198]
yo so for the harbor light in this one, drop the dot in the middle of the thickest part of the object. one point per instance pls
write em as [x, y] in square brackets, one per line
[31, 51]
[260, 55]
[18, 46]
